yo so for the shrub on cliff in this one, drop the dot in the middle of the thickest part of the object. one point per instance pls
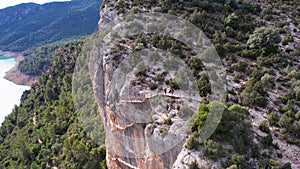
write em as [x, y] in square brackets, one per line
[212, 149]
[265, 39]
[237, 160]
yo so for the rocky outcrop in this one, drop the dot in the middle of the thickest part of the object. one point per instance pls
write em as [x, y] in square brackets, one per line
[143, 132]
[126, 105]
[144, 128]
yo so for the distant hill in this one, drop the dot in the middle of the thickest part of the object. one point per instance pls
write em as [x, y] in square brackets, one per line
[29, 25]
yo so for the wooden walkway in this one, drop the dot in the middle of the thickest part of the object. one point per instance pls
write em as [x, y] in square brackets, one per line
[142, 99]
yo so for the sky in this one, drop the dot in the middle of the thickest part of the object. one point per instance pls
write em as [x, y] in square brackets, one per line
[7, 3]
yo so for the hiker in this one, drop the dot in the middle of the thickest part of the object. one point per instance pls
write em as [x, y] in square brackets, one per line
[165, 90]
[171, 90]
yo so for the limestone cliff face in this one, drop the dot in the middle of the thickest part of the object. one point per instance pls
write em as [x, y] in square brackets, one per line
[132, 140]
[131, 144]
[126, 140]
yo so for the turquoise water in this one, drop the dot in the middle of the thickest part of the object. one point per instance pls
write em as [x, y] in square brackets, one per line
[10, 93]
[3, 58]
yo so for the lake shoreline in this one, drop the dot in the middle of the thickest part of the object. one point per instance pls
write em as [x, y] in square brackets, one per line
[10, 54]
[15, 75]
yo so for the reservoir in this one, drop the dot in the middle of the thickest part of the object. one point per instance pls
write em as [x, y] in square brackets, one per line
[10, 93]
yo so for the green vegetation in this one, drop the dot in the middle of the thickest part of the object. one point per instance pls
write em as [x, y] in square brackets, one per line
[273, 118]
[44, 130]
[212, 149]
[267, 141]
[232, 21]
[254, 93]
[254, 40]
[193, 165]
[61, 21]
[234, 128]
[193, 142]
[37, 61]
[238, 161]
[265, 39]
[264, 126]
[273, 163]
[289, 121]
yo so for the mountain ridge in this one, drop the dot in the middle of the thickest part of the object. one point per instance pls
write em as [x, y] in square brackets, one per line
[12, 14]
[31, 25]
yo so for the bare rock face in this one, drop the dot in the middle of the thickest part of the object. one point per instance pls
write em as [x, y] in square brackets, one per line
[144, 128]
[131, 140]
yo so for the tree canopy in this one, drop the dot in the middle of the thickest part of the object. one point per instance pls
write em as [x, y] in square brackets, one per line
[264, 38]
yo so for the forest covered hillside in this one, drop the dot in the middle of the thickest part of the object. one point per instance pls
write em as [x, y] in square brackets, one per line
[38, 30]
[258, 44]
[30, 25]
[44, 131]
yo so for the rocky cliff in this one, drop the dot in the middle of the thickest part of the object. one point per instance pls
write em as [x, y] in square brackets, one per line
[144, 123]
[144, 127]
[159, 100]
